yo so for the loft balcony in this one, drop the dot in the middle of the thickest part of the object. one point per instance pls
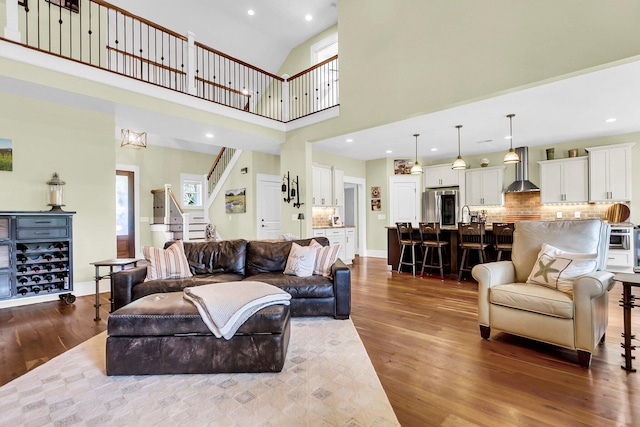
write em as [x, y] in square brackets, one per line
[101, 35]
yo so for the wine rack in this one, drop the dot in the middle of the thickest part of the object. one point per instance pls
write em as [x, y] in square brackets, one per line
[36, 255]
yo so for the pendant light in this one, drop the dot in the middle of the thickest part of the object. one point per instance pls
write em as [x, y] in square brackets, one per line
[511, 156]
[416, 169]
[459, 163]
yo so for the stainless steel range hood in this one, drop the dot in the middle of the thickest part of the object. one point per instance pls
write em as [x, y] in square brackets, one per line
[522, 183]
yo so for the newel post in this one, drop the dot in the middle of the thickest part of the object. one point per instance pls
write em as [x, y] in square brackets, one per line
[11, 30]
[191, 64]
[285, 98]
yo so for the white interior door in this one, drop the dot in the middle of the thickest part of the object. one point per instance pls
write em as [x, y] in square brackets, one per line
[268, 208]
[404, 199]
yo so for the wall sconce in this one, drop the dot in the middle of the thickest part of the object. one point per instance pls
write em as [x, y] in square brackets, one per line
[290, 192]
[131, 139]
[244, 170]
[55, 193]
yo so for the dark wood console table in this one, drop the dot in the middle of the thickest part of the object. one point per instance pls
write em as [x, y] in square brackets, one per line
[627, 302]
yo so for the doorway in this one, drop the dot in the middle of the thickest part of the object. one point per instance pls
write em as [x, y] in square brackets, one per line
[268, 207]
[126, 232]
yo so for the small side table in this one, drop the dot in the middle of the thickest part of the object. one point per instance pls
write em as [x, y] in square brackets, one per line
[111, 263]
[627, 303]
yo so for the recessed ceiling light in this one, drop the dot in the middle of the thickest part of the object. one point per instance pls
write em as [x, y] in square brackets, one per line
[251, 12]
[434, 149]
[308, 17]
[208, 135]
[611, 120]
[507, 137]
[349, 140]
[389, 151]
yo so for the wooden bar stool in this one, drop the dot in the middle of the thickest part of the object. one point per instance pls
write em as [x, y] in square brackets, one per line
[471, 237]
[405, 238]
[430, 237]
[503, 235]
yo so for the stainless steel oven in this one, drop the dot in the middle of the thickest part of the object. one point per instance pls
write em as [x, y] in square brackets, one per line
[621, 238]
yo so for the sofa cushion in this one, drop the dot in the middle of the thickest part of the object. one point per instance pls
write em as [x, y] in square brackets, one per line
[301, 260]
[177, 285]
[226, 256]
[558, 269]
[264, 256]
[586, 236]
[298, 287]
[169, 263]
[326, 256]
[534, 298]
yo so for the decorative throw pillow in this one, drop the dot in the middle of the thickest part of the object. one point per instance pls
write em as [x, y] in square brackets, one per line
[301, 260]
[326, 256]
[170, 263]
[558, 269]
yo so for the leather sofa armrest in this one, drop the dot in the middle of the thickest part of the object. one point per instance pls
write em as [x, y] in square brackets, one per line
[342, 288]
[123, 283]
[488, 275]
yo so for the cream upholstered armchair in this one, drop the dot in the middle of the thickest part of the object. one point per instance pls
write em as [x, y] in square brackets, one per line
[566, 311]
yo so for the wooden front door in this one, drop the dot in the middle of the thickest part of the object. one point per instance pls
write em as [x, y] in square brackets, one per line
[125, 224]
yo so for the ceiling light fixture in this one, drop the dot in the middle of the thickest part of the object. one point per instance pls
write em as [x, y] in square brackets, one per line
[349, 140]
[459, 163]
[611, 120]
[511, 156]
[434, 149]
[416, 169]
[308, 17]
[389, 151]
[251, 12]
[208, 135]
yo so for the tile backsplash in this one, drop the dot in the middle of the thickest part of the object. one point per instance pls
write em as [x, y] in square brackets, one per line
[322, 216]
[516, 204]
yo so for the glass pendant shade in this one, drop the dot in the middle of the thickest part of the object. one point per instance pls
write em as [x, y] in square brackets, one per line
[459, 163]
[416, 169]
[131, 139]
[511, 156]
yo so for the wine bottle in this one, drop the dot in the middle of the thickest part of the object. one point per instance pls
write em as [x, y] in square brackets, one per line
[23, 280]
[58, 245]
[23, 290]
[36, 279]
[48, 257]
[59, 255]
[48, 277]
[36, 268]
[21, 258]
[48, 267]
[35, 289]
[22, 247]
[22, 269]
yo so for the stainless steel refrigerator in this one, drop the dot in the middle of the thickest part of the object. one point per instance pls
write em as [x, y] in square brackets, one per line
[441, 206]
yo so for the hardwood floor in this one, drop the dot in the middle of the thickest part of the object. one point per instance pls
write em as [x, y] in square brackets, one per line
[423, 340]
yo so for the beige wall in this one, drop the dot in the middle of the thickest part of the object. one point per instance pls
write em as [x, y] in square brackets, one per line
[76, 143]
[300, 56]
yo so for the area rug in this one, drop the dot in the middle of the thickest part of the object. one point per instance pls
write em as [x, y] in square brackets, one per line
[327, 380]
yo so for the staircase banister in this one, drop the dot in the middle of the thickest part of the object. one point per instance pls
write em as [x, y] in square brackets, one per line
[244, 64]
[318, 65]
[141, 19]
[215, 163]
[175, 201]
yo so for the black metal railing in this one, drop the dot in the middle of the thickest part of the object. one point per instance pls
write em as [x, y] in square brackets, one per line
[102, 35]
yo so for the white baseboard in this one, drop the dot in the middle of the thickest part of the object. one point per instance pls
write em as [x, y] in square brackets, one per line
[79, 289]
[376, 254]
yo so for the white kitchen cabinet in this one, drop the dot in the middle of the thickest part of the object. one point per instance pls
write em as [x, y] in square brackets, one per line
[564, 180]
[322, 186]
[484, 186]
[441, 176]
[338, 187]
[610, 173]
[343, 236]
[350, 245]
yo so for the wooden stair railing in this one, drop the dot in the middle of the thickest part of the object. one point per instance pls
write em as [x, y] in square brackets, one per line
[218, 167]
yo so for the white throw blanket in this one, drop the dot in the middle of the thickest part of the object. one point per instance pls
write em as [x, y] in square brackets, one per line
[224, 307]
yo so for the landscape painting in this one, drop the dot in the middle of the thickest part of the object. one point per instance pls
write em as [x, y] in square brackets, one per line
[235, 201]
[6, 155]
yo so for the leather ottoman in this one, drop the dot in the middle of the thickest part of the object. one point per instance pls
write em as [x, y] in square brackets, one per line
[164, 334]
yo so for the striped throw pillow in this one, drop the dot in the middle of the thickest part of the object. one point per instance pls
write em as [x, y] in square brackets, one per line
[326, 256]
[170, 263]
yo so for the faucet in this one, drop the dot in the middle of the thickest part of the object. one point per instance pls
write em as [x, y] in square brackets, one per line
[465, 216]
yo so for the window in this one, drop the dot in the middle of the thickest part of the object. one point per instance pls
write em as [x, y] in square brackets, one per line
[192, 190]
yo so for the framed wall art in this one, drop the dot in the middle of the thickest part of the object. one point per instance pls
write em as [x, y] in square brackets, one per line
[402, 167]
[6, 155]
[235, 201]
[72, 5]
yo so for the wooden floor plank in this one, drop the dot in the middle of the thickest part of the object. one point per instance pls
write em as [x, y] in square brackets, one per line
[423, 339]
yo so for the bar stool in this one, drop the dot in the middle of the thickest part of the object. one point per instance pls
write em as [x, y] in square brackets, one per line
[503, 235]
[405, 238]
[430, 237]
[472, 237]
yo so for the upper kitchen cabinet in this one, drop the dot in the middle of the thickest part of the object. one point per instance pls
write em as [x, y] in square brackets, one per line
[484, 186]
[610, 173]
[441, 176]
[328, 186]
[564, 180]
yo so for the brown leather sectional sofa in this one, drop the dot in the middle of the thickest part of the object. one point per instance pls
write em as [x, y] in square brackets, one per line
[238, 260]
